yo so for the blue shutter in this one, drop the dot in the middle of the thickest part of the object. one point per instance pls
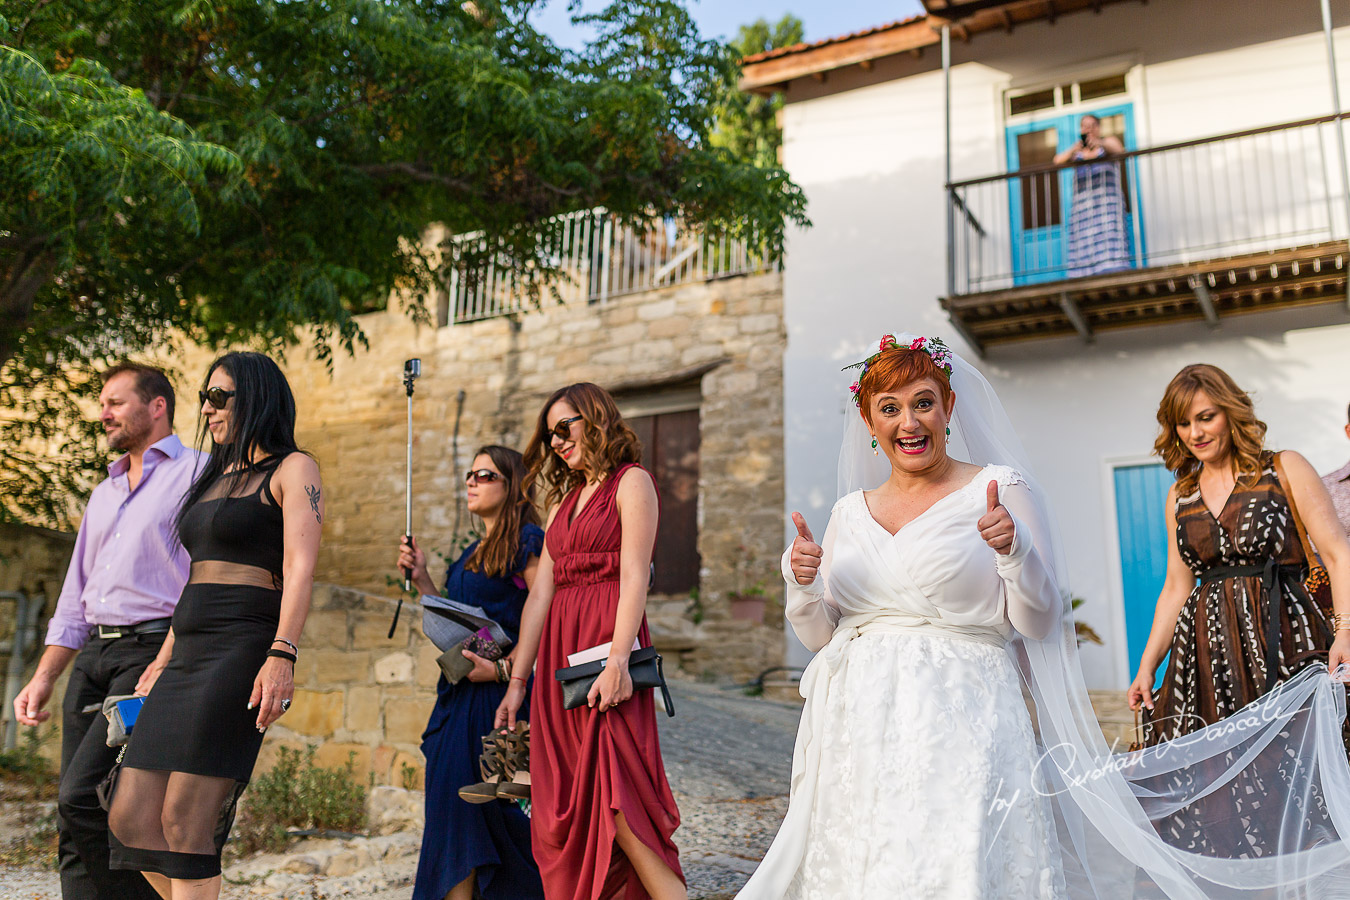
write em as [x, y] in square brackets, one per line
[1141, 494]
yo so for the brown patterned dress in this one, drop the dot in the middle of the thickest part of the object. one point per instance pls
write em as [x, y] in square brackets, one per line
[1222, 648]
[1245, 558]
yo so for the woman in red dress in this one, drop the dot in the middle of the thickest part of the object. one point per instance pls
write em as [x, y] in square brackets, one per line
[602, 814]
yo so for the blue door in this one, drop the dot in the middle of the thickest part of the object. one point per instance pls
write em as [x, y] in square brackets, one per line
[1141, 497]
[1039, 204]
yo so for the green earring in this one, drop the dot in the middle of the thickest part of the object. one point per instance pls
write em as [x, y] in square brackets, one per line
[949, 431]
[875, 452]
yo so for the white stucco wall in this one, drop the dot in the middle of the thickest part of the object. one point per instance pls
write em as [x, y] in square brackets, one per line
[868, 150]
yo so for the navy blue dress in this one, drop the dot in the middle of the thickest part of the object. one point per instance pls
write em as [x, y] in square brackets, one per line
[493, 838]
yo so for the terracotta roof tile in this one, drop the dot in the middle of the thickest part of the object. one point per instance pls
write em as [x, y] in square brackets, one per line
[837, 39]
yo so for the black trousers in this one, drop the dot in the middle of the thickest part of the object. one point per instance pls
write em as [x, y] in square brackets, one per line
[102, 668]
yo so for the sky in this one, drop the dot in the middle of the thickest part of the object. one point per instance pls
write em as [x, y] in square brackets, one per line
[721, 18]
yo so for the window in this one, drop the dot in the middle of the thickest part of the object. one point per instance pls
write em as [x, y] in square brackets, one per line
[1025, 103]
[1066, 94]
[1040, 193]
[1101, 87]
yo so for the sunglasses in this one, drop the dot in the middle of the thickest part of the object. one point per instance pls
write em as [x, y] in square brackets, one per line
[481, 476]
[217, 397]
[562, 429]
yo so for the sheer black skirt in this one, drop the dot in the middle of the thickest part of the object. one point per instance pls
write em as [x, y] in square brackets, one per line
[195, 742]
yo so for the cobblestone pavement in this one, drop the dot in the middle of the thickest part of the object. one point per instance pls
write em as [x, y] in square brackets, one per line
[728, 757]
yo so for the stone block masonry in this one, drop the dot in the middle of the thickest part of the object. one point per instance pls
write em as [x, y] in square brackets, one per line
[352, 700]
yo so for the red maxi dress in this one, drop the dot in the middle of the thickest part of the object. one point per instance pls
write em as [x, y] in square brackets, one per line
[586, 766]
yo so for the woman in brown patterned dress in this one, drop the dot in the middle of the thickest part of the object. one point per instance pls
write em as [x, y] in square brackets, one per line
[1233, 612]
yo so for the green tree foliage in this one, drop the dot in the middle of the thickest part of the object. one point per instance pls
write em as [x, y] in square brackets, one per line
[234, 170]
[747, 124]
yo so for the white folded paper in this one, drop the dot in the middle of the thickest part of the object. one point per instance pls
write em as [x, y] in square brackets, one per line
[590, 654]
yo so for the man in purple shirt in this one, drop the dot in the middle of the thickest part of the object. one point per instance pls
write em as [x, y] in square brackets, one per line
[1338, 486]
[112, 617]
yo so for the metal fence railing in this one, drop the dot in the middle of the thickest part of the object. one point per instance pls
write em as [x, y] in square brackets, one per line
[597, 258]
[22, 645]
[1247, 192]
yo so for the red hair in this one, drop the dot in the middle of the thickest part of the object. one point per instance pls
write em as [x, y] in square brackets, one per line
[893, 369]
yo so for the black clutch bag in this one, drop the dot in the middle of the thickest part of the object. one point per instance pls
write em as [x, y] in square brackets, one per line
[644, 667]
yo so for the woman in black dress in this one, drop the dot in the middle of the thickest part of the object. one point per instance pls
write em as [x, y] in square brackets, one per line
[478, 850]
[251, 525]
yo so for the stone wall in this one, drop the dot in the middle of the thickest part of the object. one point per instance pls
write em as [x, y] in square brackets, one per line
[32, 561]
[357, 691]
[725, 336]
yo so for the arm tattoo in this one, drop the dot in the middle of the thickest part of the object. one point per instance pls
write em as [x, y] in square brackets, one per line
[313, 493]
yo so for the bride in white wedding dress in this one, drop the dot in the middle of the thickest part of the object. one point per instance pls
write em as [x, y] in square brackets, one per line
[935, 607]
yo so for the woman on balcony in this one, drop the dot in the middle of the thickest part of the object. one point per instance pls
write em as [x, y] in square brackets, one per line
[1249, 622]
[1097, 239]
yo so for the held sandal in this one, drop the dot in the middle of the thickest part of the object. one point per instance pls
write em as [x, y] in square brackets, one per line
[516, 785]
[492, 764]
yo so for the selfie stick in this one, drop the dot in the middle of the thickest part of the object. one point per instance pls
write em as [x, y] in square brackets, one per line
[411, 369]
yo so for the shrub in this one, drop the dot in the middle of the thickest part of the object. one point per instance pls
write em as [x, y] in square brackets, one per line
[26, 765]
[298, 794]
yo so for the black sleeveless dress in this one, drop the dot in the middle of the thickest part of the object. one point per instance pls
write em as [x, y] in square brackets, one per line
[196, 725]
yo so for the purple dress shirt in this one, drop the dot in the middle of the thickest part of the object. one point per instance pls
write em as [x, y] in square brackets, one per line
[129, 565]
[1338, 486]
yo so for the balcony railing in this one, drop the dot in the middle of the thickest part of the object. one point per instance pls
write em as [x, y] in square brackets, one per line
[1233, 195]
[597, 259]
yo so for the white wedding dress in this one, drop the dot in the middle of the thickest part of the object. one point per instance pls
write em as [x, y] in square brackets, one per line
[914, 774]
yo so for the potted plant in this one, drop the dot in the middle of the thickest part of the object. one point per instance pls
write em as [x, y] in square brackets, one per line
[750, 595]
[1083, 631]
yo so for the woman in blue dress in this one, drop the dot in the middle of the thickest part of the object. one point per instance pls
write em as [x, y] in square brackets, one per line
[464, 844]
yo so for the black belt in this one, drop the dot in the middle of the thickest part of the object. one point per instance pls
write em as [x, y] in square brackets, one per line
[1272, 574]
[149, 626]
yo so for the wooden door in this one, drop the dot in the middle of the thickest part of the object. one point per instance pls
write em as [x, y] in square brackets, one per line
[670, 451]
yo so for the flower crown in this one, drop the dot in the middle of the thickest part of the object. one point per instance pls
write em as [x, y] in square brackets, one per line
[934, 347]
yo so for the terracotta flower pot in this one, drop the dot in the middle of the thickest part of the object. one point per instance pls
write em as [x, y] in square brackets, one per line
[751, 609]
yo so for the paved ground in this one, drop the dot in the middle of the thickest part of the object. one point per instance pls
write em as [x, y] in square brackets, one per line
[728, 758]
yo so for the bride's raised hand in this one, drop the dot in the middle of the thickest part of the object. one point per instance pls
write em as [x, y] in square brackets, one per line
[806, 553]
[996, 525]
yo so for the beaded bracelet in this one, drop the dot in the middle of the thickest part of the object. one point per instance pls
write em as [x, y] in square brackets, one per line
[501, 669]
[282, 654]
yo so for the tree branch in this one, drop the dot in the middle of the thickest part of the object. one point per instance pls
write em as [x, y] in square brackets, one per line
[18, 36]
[202, 47]
[417, 173]
[319, 117]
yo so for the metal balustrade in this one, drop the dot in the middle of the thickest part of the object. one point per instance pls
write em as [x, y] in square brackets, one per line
[597, 259]
[1254, 191]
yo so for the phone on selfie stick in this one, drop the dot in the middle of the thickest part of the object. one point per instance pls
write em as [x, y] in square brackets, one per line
[412, 369]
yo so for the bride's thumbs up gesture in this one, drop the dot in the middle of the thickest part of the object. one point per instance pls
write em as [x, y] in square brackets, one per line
[806, 553]
[996, 526]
